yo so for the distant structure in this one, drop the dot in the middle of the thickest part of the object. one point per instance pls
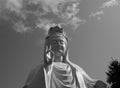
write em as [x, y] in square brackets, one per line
[57, 71]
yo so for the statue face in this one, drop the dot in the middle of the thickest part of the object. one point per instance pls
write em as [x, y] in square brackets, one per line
[58, 46]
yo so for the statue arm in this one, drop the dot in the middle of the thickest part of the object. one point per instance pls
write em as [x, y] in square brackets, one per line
[86, 81]
[31, 76]
[93, 82]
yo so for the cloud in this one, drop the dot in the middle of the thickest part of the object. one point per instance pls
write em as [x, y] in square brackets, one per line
[28, 15]
[110, 3]
[97, 14]
[20, 27]
[14, 5]
[101, 9]
[45, 24]
[75, 22]
[71, 11]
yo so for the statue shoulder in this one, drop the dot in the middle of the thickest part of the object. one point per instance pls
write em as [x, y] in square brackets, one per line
[82, 75]
[32, 74]
[75, 66]
[36, 68]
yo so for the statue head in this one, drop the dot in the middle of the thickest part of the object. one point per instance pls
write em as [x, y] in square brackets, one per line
[56, 43]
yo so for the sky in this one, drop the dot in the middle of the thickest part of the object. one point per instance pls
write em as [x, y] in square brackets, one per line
[92, 26]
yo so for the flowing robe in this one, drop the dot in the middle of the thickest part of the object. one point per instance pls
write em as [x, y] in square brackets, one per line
[61, 75]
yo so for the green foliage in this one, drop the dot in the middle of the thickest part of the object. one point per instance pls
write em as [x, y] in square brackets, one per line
[113, 74]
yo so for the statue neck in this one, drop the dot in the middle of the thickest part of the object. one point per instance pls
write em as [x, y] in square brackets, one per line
[58, 58]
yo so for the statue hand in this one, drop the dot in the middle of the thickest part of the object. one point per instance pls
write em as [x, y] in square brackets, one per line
[49, 57]
[100, 84]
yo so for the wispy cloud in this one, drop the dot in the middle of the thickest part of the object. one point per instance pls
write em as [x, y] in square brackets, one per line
[30, 15]
[101, 9]
[97, 14]
[40, 14]
[45, 24]
[14, 5]
[75, 22]
[20, 27]
[110, 3]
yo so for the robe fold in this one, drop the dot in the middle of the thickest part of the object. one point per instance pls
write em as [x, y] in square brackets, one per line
[60, 75]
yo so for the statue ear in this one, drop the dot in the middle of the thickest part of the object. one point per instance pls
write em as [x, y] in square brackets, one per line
[65, 56]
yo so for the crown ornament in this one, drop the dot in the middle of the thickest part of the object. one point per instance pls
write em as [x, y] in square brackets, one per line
[56, 31]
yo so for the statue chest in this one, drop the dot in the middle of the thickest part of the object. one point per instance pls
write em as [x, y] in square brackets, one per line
[60, 76]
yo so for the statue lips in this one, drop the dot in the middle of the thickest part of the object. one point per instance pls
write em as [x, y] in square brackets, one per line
[59, 51]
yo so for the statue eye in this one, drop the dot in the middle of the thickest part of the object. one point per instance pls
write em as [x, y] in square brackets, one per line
[61, 42]
[55, 41]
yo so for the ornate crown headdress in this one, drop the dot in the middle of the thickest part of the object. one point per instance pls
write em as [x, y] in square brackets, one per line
[56, 31]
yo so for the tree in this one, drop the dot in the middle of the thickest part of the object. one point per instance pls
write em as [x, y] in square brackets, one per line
[113, 74]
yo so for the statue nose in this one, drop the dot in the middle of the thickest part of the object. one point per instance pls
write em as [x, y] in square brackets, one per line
[58, 43]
